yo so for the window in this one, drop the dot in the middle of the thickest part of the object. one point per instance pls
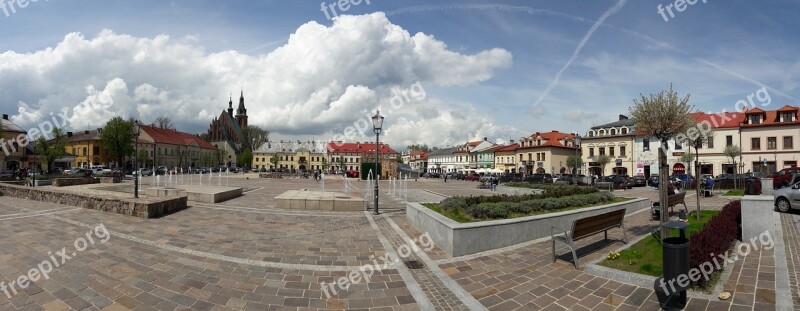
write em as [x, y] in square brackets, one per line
[754, 119]
[538, 156]
[602, 133]
[591, 152]
[710, 142]
[772, 143]
[611, 151]
[678, 146]
[624, 130]
[613, 131]
[728, 140]
[602, 151]
[73, 151]
[544, 155]
[787, 142]
[85, 151]
[646, 145]
[755, 143]
[622, 152]
[789, 163]
[787, 116]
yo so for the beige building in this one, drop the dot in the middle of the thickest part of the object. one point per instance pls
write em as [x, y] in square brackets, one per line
[615, 140]
[12, 154]
[545, 153]
[505, 158]
[175, 149]
[770, 139]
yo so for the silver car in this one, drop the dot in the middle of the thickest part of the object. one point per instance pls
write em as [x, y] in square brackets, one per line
[789, 197]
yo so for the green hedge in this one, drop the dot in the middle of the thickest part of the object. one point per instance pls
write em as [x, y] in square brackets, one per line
[527, 204]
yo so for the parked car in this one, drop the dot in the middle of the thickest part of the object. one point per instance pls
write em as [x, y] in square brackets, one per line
[6, 174]
[145, 172]
[783, 177]
[654, 180]
[619, 181]
[541, 178]
[685, 179]
[639, 181]
[788, 198]
[77, 172]
[473, 177]
[161, 170]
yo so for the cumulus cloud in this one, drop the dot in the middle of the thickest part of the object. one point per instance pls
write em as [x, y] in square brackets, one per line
[322, 80]
[579, 114]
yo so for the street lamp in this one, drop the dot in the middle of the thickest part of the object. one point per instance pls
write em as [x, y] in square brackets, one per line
[377, 127]
[576, 142]
[136, 129]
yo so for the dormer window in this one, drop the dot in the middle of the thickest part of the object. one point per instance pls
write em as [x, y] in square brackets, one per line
[754, 119]
[787, 116]
[602, 133]
[591, 133]
[624, 130]
[613, 131]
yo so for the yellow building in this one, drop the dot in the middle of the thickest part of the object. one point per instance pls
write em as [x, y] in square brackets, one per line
[86, 150]
[545, 153]
[291, 156]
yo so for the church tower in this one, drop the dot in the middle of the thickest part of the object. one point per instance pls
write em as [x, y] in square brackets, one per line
[230, 106]
[241, 113]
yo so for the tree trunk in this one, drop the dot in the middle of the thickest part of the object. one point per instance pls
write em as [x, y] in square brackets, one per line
[697, 180]
[663, 170]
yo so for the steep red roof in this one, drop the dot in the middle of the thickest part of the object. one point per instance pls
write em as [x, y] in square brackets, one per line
[720, 120]
[755, 110]
[772, 117]
[173, 137]
[788, 108]
[551, 139]
[356, 147]
[511, 147]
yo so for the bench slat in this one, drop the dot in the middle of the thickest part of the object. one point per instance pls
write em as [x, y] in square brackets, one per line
[589, 226]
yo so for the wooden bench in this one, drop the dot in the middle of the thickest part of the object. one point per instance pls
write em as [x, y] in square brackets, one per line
[586, 227]
[672, 200]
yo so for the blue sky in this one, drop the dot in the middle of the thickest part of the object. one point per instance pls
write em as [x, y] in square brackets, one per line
[499, 59]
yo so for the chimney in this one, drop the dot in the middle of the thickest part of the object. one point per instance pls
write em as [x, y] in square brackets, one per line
[485, 139]
[86, 132]
[5, 117]
[554, 131]
[69, 134]
[512, 142]
[99, 130]
[623, 117]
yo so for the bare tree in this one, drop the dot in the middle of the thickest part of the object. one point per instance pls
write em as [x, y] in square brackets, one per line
[733, 152]
[163, 122]
[603, 160]
[254, 136]
[696, 139]
[662, 115]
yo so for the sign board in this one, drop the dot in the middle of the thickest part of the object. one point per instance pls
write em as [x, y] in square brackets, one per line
[677, 154]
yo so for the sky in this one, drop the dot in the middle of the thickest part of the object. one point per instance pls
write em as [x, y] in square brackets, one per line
[442, 72]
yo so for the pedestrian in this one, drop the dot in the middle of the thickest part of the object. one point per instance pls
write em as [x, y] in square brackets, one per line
[445, 177]
[495, 181]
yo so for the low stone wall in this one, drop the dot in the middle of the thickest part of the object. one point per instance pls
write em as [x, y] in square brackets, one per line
[64, 182]
[110, 180]
[459, 239]
[270, 175]
[142, 208]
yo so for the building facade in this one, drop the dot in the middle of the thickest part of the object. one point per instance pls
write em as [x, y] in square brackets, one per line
[225, 132]
[442, 161]
[615, 140]
[505, 158]
[769, 140]
[349, 156]
[12, 156]
[291, 156]
[545, 152]
[175, 149]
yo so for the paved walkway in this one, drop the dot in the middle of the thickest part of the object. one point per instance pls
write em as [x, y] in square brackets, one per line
[244, 254]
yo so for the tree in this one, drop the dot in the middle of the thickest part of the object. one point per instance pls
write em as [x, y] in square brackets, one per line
[254, 137]
[603, 160]
[117, 138]
[687, 158]
[733, 152]
[245, 159]
[222, 156]
[324, 163]
[399, 159]
[575, 162]
[275, 159]
[143, 158]
[163, 122]
[204, 136]
[662, 115]
[423, 148]
[697, 142]
[53, 149]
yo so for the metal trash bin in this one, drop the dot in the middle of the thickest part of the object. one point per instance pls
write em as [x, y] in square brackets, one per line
[675, 260]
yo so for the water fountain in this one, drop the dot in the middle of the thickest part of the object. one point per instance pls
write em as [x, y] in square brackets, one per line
[158, 180]
[201, 178]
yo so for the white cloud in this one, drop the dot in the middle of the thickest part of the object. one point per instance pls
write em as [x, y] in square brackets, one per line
[322, 80]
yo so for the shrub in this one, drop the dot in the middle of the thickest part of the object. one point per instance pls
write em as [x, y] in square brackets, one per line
[453, 204]
[716, 236]
[494, 210]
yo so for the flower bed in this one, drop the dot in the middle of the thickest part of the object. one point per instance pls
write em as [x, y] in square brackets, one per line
[716, 237]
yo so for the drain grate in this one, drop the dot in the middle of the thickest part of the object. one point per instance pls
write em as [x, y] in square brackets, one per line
[414, 264]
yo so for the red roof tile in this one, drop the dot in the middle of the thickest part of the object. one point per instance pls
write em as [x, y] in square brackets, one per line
[511, 147]
[173, 137]
[356, 147]
[788, 108]
[720, 120]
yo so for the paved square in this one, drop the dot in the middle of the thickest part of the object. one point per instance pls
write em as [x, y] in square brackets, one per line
[245, 254]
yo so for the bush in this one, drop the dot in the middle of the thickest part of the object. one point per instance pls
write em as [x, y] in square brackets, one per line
[453, 204]
[494, 210]
[716, 237]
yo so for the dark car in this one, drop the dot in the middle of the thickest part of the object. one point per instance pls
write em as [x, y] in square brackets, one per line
[639, 181]
[508, 178]
[620, 181]
[686, 179]
[540, 178]
[473, 177]
[564, 177]
[654, 180]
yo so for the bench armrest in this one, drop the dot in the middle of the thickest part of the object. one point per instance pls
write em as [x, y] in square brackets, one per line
[552, 231]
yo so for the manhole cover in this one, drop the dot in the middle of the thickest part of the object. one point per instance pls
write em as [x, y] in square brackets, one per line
[414, 264]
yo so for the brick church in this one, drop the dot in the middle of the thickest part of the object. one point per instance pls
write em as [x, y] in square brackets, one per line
[225, 131]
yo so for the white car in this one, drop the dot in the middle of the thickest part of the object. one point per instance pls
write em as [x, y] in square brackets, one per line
[788, 198]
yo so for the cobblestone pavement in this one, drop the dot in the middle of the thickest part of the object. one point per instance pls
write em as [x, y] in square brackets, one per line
[791, 236]
[244, 254]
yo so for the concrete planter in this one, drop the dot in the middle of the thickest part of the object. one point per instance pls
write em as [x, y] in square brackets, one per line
[43, 182]
[459, 239]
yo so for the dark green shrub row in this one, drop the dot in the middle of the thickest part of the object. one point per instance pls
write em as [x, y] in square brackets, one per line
[550, 191]
[716, 237]
[498, 210]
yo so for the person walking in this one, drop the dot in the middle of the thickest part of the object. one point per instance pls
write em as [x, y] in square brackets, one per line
[445, 177]
[494, 183]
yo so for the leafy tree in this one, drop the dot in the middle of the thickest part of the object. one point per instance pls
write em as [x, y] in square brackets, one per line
[733, 152]
[423, 148]
[254, 137]
[324, 163]
[51, 150]
[575, 162]
[275, 159]
[222, 156]
[143, 158]
[697, 141]
[117, 138]
[204, 136]
[662, 115]
[687, 158]
[163, 122]
[399, 159]
[245, 159]
[603, 160]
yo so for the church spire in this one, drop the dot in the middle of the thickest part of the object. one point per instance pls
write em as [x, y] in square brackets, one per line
[241, 111]
[230, 106]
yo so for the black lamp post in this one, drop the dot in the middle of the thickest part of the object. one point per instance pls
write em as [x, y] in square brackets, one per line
[577, 143]
[136, 130]
[377, 127]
